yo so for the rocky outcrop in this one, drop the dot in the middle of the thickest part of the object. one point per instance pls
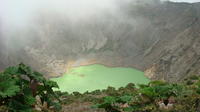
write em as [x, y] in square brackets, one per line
[160, 38]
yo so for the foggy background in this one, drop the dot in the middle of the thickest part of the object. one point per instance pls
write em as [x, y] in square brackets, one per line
[52, 36]
[19, 12]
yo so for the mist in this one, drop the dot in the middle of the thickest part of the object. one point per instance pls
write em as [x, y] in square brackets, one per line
[50, 35]
[21, 11]
[29, 27]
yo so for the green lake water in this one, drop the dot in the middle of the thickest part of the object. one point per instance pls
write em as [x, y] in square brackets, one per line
[93, 77]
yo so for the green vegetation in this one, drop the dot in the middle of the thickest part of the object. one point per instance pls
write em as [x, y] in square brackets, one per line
[24, 90]
[92, 77]
[156, 96]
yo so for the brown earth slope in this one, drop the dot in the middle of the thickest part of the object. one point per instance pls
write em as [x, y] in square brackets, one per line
[161, 38]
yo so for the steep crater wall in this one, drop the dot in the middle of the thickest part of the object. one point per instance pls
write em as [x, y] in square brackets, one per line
[160, 38]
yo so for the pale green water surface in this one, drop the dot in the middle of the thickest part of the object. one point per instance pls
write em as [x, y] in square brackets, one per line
[92, 77]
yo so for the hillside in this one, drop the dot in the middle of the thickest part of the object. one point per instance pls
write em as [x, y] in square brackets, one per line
[160, 38]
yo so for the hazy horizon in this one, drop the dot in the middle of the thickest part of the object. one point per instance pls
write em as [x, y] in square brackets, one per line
[21, 11]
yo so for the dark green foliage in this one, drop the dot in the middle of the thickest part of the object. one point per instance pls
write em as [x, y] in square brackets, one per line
[96, 92]
[18, 95]
[108, 104]
[147, 98]
[125, 99]
[8, 86]
[111, 91]
[77, 94]
[19, 85]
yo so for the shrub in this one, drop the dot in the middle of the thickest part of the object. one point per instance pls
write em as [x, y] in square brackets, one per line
[19, 85]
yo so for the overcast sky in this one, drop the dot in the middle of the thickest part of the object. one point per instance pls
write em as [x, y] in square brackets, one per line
[19, 10]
